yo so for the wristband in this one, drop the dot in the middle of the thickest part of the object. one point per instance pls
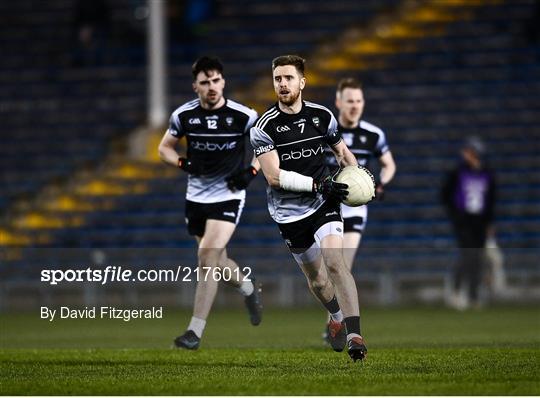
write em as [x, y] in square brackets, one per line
[295, 182]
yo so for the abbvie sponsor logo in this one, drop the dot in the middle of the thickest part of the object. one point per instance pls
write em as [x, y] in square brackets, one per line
[212, 146]
[302, 153]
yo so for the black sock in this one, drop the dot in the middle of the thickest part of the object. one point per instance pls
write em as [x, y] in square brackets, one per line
[353, 324]
[332, 306]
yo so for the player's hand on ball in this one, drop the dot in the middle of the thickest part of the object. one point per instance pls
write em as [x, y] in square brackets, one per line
[361, 185]
[241, 179]
[188, 166]
[331, 189]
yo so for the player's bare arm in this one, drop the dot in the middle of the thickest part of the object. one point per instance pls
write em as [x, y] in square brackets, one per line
[388, 167]
[343, 155]
[269, 163]
[167, 149]
[169, 155]
[255, 163]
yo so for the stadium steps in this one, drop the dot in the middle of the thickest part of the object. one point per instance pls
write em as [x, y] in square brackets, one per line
[386, 34]
[66, 206]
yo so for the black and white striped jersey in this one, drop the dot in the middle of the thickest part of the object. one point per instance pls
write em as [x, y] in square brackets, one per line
[300, 140]
[365, 141]
[216, 141]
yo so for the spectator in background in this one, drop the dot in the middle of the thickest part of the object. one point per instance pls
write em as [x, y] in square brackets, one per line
[92, 23]
[468, 194]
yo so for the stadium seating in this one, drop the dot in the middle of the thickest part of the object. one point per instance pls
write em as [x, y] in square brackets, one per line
[83, 108]
[58, 117]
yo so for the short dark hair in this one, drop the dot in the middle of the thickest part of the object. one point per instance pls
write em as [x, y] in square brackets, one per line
[206, 64]
[348, 82]
[294, 60]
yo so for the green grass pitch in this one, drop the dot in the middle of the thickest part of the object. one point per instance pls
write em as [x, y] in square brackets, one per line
[411, 351]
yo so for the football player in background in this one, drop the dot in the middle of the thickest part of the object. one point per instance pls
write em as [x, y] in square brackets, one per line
[215, 128]
[365, 141]
[303, 198]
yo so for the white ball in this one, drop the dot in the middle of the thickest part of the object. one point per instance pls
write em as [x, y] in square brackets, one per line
[361, 185]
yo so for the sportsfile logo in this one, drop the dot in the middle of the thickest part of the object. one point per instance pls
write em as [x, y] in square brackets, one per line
[263, 149]
[212, 146]
[302, 153]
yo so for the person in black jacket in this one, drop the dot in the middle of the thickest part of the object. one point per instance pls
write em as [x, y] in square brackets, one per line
[469, 197]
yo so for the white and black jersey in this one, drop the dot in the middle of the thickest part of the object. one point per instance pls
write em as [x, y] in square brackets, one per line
[216, 141]
[300, 140]
[365, 141]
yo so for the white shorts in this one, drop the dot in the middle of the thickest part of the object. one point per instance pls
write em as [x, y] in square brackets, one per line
[354, 218]
[314, 251]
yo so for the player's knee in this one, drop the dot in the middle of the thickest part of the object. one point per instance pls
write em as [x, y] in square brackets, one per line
[209, 256]
[318, 282]
[334, 265]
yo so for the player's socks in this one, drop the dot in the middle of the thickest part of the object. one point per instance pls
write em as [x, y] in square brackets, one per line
[246, 288]
[333, 308]
[353, 326]
[197, 325]
[253, 302]
[355, 342]
[336, 335]
[338, 316]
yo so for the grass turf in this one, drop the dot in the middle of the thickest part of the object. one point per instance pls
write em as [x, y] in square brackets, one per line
[412, 351]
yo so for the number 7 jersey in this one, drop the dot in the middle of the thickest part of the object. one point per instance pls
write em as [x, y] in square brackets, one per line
[300, 140]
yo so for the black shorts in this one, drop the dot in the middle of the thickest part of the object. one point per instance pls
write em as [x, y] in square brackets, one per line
[197, 214]
[300, 235]
[354, 224]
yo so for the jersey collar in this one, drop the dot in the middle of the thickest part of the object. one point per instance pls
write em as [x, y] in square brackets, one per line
[291, 114]
[215, 109]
